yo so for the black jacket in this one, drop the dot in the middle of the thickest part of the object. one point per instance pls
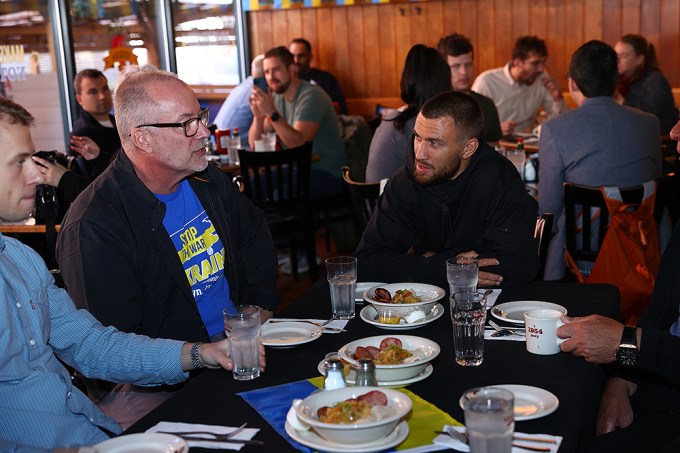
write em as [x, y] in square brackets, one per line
[486, 209]
[119, 262]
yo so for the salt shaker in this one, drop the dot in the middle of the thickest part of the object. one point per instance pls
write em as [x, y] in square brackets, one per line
[366, 374]
[335, 375]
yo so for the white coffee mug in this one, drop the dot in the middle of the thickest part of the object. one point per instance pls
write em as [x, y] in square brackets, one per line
[541, 331]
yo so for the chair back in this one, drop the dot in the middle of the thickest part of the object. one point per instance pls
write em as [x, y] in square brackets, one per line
[585, 212]
[276, 179]
[542, 236]
[364, 198]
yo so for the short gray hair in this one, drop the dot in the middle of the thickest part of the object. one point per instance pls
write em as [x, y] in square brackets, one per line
[133, 103]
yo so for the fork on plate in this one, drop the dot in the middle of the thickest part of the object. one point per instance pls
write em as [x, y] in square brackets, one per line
[323, 325]
[502, 331]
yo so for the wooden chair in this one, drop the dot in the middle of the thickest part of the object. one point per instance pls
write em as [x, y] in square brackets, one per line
[542, 236]
[364, 198]
[585, 202]
[278, 182]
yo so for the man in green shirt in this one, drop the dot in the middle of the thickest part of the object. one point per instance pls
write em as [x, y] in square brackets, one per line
[299, 112]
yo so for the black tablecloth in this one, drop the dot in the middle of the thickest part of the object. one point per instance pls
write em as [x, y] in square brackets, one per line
[211, 396]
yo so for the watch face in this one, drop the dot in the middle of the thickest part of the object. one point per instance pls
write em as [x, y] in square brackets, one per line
[627, 355]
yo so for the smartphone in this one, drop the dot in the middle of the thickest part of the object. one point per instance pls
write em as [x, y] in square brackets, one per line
[261, 83]
[49, 156]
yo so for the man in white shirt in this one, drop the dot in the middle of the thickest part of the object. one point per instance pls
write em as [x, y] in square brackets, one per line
[514, 91]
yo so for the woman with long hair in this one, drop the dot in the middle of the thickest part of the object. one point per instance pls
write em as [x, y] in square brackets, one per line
[641, 83]
[425, 75]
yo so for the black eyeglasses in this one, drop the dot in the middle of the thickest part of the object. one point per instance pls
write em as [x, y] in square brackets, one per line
[190, 126]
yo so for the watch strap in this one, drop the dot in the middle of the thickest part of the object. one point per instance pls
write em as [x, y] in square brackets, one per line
[274, 117]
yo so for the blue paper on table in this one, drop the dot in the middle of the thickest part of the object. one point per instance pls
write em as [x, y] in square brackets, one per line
[272, 403]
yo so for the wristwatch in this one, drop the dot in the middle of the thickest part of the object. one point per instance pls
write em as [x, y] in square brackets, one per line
[627, 353]
[274, 117]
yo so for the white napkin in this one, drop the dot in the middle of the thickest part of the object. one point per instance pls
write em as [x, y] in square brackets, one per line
[491, 298]
[174, 427]
[336, 323]
[449, 441]
[489, 332]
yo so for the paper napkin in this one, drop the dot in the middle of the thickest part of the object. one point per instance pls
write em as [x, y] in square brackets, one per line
[489, 332]
[449, 441]
[176, 427]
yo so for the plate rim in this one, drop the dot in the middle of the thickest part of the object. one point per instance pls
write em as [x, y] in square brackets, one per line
[122, 440]
[527, 389]
[367, 448]
[315, 334]
[547, 304]
[400, 326]
[404, 285]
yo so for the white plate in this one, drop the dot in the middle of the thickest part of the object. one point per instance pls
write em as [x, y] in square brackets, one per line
[514, 311]
[143, 442]
[289, 333]
[369, 315]
[361, 289]
[350, 378]
[313, 440]
[530, 402]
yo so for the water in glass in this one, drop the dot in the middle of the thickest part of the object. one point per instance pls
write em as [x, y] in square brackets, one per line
[489, 421]
[243, 330]
[468, 314]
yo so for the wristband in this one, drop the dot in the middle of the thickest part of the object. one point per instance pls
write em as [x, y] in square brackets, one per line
[195, 358]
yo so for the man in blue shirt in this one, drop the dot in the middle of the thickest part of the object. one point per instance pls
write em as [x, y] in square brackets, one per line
[235, 112]
[40, 410]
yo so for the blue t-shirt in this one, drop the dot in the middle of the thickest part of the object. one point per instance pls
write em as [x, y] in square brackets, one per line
[201, 252]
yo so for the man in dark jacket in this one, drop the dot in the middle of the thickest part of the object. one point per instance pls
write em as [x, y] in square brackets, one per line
[162, 242]
[461, 198]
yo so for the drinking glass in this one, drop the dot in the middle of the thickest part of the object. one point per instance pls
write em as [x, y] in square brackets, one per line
[462, 274]
[517, 157]
[468, 314]
[490, 421]
[269, 141]
[342, 279]
[242, 326]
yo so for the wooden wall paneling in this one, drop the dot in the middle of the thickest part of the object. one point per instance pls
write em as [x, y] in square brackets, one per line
[279, 29]
[538, 20]
[667, 50]
[630, 16]
[434, 26]
[486, 39]
[555, 39]
[373, 51]
[294, 24]
[355, 33]
[402, 36]
[592, 20]
[326, 42]
[650, 20]
[453, 18]
[611, 26]
[390, 66]
[574, 14]
[521, 18]
[309, 29]
[418, 22]
[503, 32]
[467, 25]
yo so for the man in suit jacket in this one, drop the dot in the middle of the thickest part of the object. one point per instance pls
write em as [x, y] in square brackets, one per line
[599, 144]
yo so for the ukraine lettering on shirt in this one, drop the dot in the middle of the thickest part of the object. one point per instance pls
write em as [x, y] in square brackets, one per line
[201, 253]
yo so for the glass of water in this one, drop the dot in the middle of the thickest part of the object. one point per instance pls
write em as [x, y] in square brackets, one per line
[468, 314]
[242, 326]
[342, 279]
[490, 421]
[462, 274]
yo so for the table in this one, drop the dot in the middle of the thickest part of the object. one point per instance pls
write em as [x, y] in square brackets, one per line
[24, 229]
[510, 142]
[211, 397]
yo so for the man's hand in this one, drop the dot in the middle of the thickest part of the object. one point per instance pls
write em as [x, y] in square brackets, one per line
[507, 127]
[594, 337]
[485, 278]
[216, 355]
[52, 171]
[615, 410]
[553, 87]
[85, 146]
[261, 103]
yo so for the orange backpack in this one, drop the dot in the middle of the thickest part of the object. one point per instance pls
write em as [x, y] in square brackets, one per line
[629, 256]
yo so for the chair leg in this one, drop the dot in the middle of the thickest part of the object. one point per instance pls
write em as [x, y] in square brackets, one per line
[294, 258]
[311, 257]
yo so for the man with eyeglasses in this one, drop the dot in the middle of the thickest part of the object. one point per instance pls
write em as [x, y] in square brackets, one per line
[514, 91]
[162, 242]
